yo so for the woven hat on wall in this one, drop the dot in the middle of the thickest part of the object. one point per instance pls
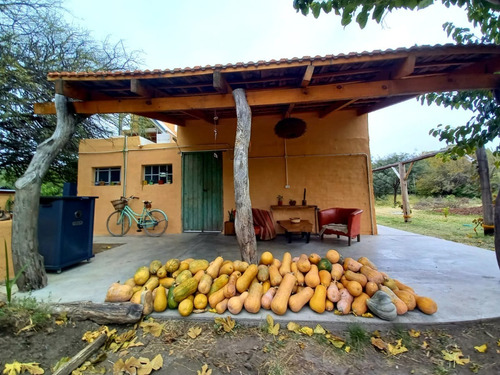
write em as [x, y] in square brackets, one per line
[289, 128]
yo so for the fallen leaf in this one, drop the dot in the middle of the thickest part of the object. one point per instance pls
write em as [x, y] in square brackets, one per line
[347, 349]
[157, 362]
[204, 370]
[294, 327]
[474, 367]
[396, 349]
[194, 332]
[274, 330]
[455, 356]
[414, 333]
[498, 343]
[319, 330]
[212, 311]
[301, 345]
[376, 333]
[227, 324]
[152, 327]
[424, 345]
[336, 341]
[367, 315]
[15, 368]
[337, 312]
[307, 331]
[379, 343]
[482, 348]
[60, 363]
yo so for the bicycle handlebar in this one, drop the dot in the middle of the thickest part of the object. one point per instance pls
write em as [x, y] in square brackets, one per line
[131, 197]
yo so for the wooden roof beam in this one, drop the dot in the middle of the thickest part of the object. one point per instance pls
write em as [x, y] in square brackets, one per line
[199, 115]
[306, 78]
[162, 117]
[337, 106]
[220, 84]
[289, 110]
[142, 89]
[404, 68]
[384, 103]
[314, 94]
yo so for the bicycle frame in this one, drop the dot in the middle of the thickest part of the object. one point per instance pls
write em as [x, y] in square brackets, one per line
[138, 218]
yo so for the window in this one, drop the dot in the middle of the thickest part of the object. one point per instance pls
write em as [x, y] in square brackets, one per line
[107, 176]
[158, 174]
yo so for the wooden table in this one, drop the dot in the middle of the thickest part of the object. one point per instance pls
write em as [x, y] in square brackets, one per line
[304, 227]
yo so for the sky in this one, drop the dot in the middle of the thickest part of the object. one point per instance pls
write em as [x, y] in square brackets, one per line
[178, 34]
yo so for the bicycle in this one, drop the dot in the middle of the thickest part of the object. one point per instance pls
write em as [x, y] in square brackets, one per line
[154, 222]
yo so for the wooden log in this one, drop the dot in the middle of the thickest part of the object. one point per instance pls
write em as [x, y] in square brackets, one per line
[82, 356]
[101, 313]
[484, 182]
[243, 223]
[403, 181]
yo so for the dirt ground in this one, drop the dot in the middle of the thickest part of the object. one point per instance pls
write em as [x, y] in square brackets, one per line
[254, 350]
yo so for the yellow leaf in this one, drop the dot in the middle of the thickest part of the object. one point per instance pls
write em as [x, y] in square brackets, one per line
[13, 368]
[18, 368]
[154, 328]
[60, 363]
[336, 341]
[498, 343]
[378, 343]
[414, 333]
[301, 345]
[227, 324]
[347, 349]
[204, 370]
[307, 331]
[212, 310]
[269, 320]
[424, 345]
[396, 349]
[319, 330]
[274, 330]
[194, 332]
[367, 315]
[157, 362]
[376, 333]
[337, 312]
[482, 348]
[294, 327]
[455, 356]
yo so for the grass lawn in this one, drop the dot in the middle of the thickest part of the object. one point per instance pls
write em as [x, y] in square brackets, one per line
[457, 228]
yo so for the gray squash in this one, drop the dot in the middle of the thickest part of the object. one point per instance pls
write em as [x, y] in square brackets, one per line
[381, 305]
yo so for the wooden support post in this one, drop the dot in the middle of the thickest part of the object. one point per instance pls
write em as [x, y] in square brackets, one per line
[484, 181]
[243, 223]
[403, 178]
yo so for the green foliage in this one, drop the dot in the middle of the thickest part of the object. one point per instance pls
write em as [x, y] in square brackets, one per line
[357, 337]
[9, 283]
[24, 314]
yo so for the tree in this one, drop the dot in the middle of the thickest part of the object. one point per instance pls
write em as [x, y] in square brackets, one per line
[35, 40]
[484, 125]
[386, 181]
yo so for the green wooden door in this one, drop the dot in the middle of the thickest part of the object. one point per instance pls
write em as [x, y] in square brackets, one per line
[202, 192]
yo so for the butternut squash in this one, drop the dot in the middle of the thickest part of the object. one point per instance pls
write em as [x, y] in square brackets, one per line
[160, 299]
[154, 266]
[333, 293]
[218, 283]
[274, 275]
[371, 288]
[215, 298]
[253, 300]
[186, 307]
[262, 273]
[221, 307]
[119, 293]
[279, 303]
[161, 272]
[147, 301]
[285, 264]
[197, 265]
[240, 265]
[329, 305]
[355, 276]
[372, 275]
[312, 277]
[214, 267]
[267, 297]
[130, 282]
[402, 286]
[318, 300]
[299, 275]
[277, 263]
[245, 280]
[299, 300]
[205, 284]
[141, 275]
[333, 256]
[303, 263]
[314, 258]
[351, 264]
[325, 277]
[367, 262]
[152, 283]
[266, 285]
[401, 307]
[226, 269]
[359, 306]
[235, 304]
[230, 287]
[345, 302]
[266, 258]
[337, 271]
[408, 298]
[426, 305]
[354, 288]
[198, 275]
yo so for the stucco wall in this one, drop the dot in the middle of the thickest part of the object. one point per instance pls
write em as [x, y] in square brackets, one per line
[331, 160]
[4, 196]
[6, 235]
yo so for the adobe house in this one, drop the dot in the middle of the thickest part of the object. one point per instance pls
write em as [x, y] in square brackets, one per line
[330, 160]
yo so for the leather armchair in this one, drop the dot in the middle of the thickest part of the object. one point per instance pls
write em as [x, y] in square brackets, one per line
[340, 221]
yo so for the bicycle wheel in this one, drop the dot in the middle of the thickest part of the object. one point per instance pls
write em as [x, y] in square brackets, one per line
[118, 224]
[155, 223]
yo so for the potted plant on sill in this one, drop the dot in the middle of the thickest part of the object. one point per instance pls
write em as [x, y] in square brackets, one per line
[280, 200]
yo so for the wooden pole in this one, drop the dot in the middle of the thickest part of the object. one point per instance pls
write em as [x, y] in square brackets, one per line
[243, 223]
[403, 178]
[484, 181]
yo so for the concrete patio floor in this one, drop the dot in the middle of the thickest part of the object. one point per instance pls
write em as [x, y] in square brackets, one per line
[463, 280]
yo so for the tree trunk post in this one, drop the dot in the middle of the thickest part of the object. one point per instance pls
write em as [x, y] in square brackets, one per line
[243, 223]
[497, 225]
[25, 221]
[484, 181]
[404, 193]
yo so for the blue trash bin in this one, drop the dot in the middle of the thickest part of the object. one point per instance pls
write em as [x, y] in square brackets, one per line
[65, 230]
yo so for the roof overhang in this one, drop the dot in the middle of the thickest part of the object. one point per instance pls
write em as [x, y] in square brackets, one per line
[363, 82]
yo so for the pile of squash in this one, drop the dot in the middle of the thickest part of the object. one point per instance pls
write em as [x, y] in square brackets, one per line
[330, 283]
